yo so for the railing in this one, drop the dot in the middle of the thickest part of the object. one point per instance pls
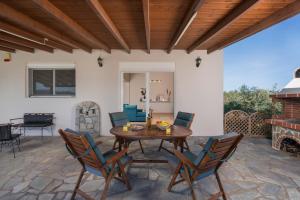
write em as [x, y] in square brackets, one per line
[252, 124]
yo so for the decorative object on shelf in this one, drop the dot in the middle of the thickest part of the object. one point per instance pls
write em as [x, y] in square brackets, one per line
[143, 93]
[155, 81]
[198, 61]
[100, 61]
[7, 57]
[169, 94]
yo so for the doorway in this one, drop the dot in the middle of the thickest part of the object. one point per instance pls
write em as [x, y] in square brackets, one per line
[153, 85]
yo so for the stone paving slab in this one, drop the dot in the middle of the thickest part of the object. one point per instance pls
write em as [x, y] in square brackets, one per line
[44, 170]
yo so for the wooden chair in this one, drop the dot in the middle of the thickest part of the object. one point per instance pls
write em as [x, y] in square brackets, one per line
[107, 165]
[193, 167]
[182, 119]
[121, 119]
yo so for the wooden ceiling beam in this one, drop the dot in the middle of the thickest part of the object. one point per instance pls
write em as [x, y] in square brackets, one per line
[10, 50]
[26, 22]
[33, 37]
[16, 46]
[283, 14]
[106, 20]
[231, 17]
[147, 23]
[57, 45]
[14, 39]
[17, 31]
[60, 16]
[186, 22]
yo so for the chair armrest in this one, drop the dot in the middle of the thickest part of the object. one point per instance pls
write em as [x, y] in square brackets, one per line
[184, 159]
[117, 156]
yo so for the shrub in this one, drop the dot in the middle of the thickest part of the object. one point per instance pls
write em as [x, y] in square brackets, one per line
[250, 100]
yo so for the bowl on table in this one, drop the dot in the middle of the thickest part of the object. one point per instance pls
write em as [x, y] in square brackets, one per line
[163, 125]
[137, 127]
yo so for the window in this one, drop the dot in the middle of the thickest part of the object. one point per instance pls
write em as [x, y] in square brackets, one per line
[51, 82]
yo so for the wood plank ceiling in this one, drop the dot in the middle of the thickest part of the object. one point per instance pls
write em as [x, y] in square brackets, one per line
[135, 24]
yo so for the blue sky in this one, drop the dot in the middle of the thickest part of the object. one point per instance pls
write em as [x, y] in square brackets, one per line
[264, 59]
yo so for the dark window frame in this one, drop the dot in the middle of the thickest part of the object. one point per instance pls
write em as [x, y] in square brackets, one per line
[54, 83]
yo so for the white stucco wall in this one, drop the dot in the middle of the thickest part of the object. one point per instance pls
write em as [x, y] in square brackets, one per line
[197, 90]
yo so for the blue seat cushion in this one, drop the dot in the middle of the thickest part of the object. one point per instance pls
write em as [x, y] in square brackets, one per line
[124, 160]
[192, 157]
[141, 114]
[196, 159]
[92, 143]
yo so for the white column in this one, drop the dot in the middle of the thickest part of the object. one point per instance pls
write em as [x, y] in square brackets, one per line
[147, 84]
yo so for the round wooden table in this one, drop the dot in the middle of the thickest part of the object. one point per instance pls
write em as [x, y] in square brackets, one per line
[178, 135]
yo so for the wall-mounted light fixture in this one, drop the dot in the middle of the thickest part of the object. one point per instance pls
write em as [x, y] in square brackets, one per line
[198, 61]
[100, 61]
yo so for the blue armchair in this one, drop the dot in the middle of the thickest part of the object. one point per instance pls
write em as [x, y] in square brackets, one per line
[134, 114]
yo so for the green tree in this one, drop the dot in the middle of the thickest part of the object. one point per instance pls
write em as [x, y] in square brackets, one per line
[250, 100]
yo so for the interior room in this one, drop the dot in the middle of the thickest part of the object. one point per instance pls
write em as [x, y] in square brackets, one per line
[162, 96]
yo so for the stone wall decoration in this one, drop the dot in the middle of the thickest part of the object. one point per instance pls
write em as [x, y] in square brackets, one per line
[88, 117]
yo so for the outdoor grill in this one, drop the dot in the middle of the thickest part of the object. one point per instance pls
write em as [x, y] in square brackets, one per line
[286, 126]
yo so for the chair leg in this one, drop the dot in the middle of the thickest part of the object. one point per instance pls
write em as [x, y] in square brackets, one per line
[115, 143]
[188, 179]
[176, 172]
[18, 143]
[51, 130]
[42, 133]
[141, 146]
[161, 144]
[187, 145]
[77, 184]
[124, 175]
[13, 148]
[107, 182]
[221, 186]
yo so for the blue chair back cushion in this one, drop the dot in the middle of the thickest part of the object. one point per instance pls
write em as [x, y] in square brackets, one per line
[197, 159]
[183, 119]
[118, 119]
[100, 156]
[92, 143]
[209, 144]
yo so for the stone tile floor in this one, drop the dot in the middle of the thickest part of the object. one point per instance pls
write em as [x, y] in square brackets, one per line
[43, 170]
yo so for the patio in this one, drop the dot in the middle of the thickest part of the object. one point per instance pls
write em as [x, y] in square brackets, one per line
[44, 170]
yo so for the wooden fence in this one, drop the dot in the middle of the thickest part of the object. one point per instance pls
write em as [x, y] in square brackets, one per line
[247, 124]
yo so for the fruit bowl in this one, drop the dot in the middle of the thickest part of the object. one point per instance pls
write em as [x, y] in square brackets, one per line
[163, 125]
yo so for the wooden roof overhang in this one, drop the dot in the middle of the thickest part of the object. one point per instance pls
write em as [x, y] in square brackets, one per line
[135, 24]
